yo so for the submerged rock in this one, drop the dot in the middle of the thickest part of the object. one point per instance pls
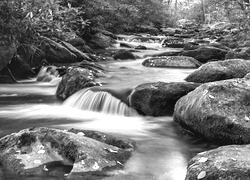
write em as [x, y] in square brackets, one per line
[158, 99]
[228, 162]
[126, 45]
[172, 61]
[206, 53]
[141, 47]
[219, 111]
[220, 70]
[32, 151]
[123, 55]
[74, 80]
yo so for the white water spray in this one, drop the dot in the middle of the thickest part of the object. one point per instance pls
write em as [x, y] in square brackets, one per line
[99, 101]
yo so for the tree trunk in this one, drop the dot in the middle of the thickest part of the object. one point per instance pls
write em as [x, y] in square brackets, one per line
[203, 11]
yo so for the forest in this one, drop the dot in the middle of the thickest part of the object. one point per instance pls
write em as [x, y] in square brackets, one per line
[124, 89]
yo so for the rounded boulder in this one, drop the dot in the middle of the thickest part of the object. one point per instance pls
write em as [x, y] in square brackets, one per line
[158, 99]
[219, 111]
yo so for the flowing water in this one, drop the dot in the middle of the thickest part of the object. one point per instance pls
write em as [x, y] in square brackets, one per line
[163, 149]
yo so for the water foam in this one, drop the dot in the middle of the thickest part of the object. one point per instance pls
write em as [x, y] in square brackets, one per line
[99, 101]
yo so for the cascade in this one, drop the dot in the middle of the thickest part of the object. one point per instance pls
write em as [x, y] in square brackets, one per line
[99, 101]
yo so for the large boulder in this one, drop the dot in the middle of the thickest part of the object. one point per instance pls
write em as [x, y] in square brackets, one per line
[242, 53]
[228, 162]
[172, 61]
[80, 55]
[21, 69]
[206, 53]
[31, 55]
[7, 51]
[219, 111]
[101, 40]
[158, 99]
[6, 76]
[80, 44]
[124, 55]
[57, 53]
[220, 70]
[74, 80]
[62, 52]
[173, 42]
[35, 151]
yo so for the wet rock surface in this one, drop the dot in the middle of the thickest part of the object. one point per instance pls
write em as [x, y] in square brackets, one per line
[206, 53]
[172, 61]
[228, 162]
[124, 55]
[75, 79]
[218, 111]
[158, 99]
[7, 51]
[47, 74]
[62, 52]
[33, 151]
[141, 47]
[173, 42]
[6, 76]
[20, 69]
[220, 70]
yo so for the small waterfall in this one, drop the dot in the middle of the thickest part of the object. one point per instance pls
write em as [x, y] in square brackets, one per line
[99, 101]
[49, 74]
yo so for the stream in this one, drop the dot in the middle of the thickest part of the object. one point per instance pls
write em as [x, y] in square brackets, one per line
[163, 149]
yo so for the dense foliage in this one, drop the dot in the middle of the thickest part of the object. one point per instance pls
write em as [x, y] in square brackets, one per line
[214, 11]
[122, 15]
[28, 19]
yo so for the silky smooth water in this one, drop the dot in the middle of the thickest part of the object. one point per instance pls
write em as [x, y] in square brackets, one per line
[163, 149]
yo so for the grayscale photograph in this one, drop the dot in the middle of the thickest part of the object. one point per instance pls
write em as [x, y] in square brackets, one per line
[124, 89]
